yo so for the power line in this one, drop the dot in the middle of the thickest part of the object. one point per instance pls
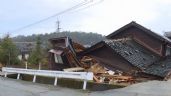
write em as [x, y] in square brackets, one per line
[98, 2]
[90, 5]
[57, 14]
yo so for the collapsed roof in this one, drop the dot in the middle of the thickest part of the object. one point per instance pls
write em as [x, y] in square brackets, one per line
[136, 54]
[64, 53]
[161, 68]
[133, 52]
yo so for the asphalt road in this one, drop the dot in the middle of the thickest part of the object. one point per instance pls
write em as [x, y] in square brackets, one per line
[12, 87]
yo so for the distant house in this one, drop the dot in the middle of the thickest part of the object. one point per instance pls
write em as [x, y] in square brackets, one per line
[151, 40]
[167, 34]
[25, 49]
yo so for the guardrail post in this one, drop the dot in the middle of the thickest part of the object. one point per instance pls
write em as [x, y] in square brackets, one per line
[18, 76]
[85, 84]
[55, 82]
[5, 74]
[26, 64]
[34, 78]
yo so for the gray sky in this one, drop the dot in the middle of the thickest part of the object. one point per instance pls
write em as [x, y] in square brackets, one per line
[103, 18]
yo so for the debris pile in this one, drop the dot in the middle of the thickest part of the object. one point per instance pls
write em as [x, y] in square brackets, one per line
[102, 74]
[65, 56]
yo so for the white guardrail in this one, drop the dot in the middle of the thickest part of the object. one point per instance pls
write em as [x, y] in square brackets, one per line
[85, 76]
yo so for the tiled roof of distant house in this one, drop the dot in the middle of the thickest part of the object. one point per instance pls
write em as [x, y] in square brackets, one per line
[25, 47]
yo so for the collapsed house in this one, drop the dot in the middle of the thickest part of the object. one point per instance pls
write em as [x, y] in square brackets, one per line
[130, 52]
[64, 53]
[128, 56]
[134, 50]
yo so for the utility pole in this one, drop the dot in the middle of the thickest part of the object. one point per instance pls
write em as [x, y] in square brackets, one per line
[58, 26]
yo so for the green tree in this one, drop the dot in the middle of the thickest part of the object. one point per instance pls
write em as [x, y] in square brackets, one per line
[8, 51]
[36, 55]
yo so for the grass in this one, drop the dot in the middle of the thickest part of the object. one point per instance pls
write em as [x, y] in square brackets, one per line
[71, 83]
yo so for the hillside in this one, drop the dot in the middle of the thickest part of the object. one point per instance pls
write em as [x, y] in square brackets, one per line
[80, 37]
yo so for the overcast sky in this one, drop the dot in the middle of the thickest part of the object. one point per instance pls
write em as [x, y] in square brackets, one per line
[102, 18]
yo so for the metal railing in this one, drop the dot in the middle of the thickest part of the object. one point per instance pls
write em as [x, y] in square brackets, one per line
[85, 76]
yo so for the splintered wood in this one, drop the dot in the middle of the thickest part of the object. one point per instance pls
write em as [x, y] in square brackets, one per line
[87, 62]
[96, 68]
[104, 75]
[75, 69]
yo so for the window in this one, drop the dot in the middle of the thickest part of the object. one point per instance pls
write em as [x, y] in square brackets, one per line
[168, 51]
[58, 59]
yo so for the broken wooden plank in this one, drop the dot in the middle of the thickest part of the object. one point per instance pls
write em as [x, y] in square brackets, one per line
[75, 69]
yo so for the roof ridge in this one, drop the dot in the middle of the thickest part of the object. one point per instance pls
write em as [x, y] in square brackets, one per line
[117, 40]
[148, 31]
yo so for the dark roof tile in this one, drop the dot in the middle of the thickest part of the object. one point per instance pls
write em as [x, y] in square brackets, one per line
[160, 68]
[133, 52]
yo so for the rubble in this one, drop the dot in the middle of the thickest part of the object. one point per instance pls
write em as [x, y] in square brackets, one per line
[64, 54]
[131, 54]
[78, 62]
[68, 51]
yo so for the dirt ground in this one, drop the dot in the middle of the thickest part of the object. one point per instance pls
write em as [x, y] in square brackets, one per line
[12, 87]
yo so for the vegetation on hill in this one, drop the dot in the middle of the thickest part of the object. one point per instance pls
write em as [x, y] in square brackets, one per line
[80, 37]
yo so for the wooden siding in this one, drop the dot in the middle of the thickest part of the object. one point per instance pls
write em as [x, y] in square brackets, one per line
[111, 60]
[143, 38]
[57, 66]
